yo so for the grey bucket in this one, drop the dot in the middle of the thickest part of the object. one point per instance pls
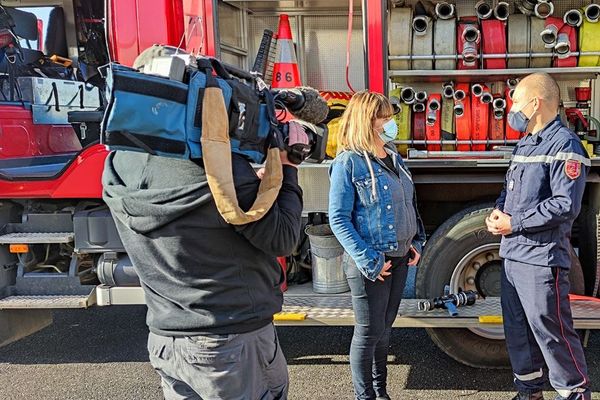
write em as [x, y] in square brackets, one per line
[327, 253]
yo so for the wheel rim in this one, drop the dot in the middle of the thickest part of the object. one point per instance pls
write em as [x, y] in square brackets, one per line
[480, 270]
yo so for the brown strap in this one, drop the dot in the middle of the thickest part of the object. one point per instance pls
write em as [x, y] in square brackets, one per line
[216, 153]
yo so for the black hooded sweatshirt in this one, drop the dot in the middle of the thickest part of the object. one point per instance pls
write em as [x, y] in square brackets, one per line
[200, 275]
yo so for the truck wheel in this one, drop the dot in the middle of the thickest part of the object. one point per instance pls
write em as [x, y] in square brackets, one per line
[463, 254]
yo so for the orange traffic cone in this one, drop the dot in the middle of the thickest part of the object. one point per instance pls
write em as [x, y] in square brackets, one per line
[285, 70]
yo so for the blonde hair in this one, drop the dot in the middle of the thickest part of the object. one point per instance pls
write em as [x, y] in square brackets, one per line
[356, 126]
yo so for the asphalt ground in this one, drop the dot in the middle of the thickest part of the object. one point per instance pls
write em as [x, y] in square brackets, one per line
[100, 353]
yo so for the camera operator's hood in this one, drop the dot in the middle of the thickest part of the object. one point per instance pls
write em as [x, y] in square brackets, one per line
[139, 190]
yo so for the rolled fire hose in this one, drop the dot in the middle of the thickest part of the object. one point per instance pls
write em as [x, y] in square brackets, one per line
[445, 42]
[407, 95]
[502, 11]
[493, 42]
[543, 9]
[403, 120]
[519, 30]
[419, 126]
[565, 43]
[400, 36]
[217, 164]
[496, 131]
[433, 121]
[484, 9]
[573, 18]
[589, 40]
[447, 117]
[511, 134]
[468, 39]
[422, 41]
[536, 44]
[592, 13]
[444, 10]
[480, 112]
[462, 114]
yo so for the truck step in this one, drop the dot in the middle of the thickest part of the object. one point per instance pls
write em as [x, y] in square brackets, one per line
[36, 237]
[37, 302]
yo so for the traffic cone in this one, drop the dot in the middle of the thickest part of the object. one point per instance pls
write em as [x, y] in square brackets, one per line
[285, 70]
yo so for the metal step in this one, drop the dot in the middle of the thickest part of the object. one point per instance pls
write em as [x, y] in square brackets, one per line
[304, 307]
[337, 310]
[37, 237]
[37, 302]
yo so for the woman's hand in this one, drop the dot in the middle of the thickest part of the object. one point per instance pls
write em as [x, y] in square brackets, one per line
[385, 271]
[414, 259]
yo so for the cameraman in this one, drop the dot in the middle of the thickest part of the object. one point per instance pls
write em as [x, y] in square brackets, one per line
[211, 288]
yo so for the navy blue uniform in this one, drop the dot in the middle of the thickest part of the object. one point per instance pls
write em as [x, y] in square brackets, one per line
[542, 193]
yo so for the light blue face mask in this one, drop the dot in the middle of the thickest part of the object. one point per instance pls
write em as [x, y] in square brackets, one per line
[390, 131]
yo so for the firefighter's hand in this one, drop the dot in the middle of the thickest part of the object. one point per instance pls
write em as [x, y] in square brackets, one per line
[385, 272]
[260, 173]
[414, 258]
[499, 223]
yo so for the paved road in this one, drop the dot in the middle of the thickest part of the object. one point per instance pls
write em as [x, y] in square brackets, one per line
[101, 354]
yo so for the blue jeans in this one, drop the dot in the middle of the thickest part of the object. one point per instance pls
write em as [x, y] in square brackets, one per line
[375, 307]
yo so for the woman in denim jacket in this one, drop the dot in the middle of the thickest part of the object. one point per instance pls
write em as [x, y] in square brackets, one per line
[373, 214]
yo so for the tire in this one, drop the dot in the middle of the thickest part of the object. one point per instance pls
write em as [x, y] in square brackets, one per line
[456, 238]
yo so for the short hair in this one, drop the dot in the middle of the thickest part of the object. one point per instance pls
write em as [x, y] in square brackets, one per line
[542, 85]
[356, 125]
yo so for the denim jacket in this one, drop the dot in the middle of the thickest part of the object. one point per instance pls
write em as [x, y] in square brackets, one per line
[360, 206]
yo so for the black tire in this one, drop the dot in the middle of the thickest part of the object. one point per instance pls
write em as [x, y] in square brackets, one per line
[457, 236]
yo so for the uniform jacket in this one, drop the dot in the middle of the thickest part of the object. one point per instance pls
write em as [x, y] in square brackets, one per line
[542, 192]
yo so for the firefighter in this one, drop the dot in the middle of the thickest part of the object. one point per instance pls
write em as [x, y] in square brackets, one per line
[534, 214]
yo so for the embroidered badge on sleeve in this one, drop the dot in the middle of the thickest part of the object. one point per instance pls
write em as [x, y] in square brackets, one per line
[573, 168]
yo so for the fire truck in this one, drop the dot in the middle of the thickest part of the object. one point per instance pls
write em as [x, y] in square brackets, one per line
[59, 248]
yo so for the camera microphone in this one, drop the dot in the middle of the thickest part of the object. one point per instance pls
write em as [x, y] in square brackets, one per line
[304, 103]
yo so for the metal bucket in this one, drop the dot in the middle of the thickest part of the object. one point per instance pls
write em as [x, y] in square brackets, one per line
[327, 253]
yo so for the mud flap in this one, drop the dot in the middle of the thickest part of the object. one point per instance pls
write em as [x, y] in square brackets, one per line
[17, 324]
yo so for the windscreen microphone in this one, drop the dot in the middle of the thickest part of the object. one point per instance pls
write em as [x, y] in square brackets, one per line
[304, 103]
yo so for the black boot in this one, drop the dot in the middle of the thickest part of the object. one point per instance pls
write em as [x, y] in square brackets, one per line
[529, 396]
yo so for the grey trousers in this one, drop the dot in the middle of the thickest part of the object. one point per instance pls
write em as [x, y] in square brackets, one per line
[246, 366]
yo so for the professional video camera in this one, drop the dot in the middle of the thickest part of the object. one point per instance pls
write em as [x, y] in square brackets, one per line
[165, 76]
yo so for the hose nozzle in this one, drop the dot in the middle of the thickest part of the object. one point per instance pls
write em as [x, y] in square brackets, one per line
[573, 18]
[486, 98]
[543, 9]
[459, 109]
[407, 95]
[471, 34]
[444, 10]
[483, 9]
[563, 46]
[592, 13]
[448, 91]
[421, 96]
[501, 11]
[459, 95]
[512, 83]
[549, 36]
[477, 90]
[418, 107]
[420, 24]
